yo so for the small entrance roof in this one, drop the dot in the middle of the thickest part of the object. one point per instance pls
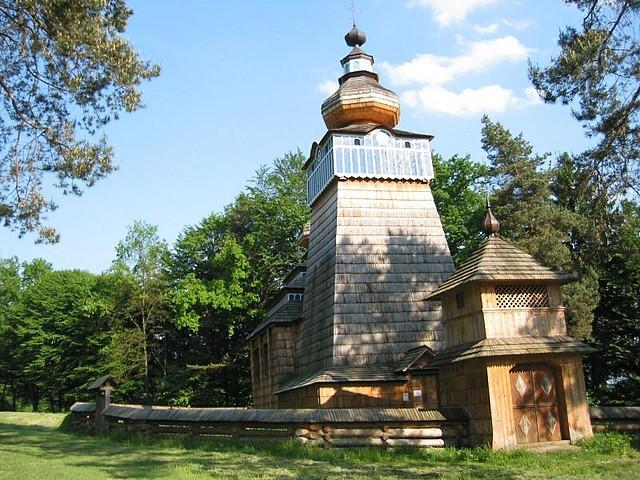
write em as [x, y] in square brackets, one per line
[499, 347]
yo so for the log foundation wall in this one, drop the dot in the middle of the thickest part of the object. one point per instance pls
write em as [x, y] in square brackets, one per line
[438, 432]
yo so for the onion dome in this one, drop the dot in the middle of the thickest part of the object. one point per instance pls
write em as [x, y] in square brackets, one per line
[355, 37]
[491, 223]
[360, 98]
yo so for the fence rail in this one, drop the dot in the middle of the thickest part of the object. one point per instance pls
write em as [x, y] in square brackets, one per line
[322, 427]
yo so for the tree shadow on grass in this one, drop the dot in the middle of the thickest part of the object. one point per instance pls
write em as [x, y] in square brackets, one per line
[139, 458]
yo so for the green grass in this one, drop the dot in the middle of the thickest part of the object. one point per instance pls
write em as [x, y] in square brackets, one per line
[33, 446]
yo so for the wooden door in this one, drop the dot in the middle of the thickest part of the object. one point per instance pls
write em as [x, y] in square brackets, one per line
[535, 403]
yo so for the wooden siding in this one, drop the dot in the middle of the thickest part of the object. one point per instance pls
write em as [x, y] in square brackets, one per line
[502, 420]
[365, 395]
[575, 422]
[465, 385]
[575, 397]
[480, 318]
[463, 324]
[427, 385]
[362, 396]
[279, 341]
[524, 322]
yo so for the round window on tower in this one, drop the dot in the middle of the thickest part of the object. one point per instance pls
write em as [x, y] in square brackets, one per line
[382, 138]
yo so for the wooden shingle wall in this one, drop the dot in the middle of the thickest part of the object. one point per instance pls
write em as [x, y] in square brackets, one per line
[376, 249]
[391, 251]
[314, 345]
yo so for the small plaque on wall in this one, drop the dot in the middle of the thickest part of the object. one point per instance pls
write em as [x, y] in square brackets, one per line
[405, 397]
[417, 393]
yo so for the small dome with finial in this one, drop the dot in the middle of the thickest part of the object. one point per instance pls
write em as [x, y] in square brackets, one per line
[355, 37]
[360, 98]
[491, 223]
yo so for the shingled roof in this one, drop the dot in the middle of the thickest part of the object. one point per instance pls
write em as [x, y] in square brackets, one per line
[360, 374]
[283, 415]
[412, 357]
[497, 347]
[498, 260]
[287, 314]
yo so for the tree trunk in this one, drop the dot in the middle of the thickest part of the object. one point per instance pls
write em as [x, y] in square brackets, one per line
[146, 361]
[2, 397]
[13, 394]
[35, 397]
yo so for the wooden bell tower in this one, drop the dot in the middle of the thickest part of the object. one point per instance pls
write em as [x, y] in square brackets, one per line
[376, 244]
[509, 360]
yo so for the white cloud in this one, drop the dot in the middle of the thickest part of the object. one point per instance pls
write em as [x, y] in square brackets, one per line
[450, 11]
[483, 30]
[521, 24]
[327, 87]
[532, 96]
[469, 102]
[434, 69]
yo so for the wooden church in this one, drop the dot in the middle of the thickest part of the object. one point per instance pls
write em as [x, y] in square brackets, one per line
[379, 317]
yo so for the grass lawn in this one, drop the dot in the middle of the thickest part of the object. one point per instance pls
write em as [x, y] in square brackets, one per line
[32, 447]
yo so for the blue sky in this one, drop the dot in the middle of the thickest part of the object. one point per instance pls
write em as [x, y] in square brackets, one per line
[242, 83]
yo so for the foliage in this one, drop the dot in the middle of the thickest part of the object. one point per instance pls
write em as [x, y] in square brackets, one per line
[460, 198]
[9, 299]
[596, 73]
[140, 303]
[61, 326]
[223, 271]
[535, 220]
[66, 70]
[611, 443]
[616, 369]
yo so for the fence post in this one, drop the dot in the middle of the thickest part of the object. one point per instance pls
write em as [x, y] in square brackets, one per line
[102, 388]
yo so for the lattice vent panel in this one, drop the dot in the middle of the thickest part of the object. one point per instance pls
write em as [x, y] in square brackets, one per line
[521, 296]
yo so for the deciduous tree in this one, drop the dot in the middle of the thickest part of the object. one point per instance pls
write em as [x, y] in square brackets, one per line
[141, 296]
[459, 192]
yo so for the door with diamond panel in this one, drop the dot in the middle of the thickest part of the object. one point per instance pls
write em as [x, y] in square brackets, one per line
[535, 403]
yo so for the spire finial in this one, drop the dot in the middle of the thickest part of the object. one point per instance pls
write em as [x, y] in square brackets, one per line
[491, 223]
[353, 12]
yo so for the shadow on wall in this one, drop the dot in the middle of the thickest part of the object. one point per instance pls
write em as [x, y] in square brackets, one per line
[380, 285]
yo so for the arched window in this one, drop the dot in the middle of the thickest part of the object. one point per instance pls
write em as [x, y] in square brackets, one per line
[407, 144]
[356, 141]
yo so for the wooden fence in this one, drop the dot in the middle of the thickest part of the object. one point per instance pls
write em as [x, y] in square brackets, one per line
[321, 427]
[615, 419]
